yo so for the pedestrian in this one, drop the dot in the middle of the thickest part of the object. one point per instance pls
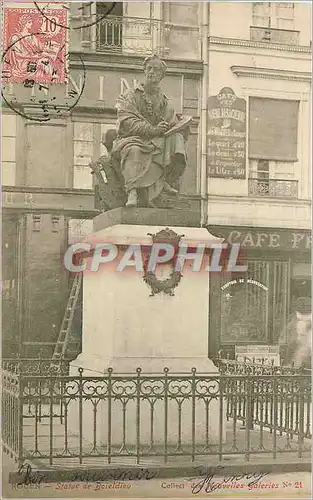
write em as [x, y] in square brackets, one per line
[298, 351]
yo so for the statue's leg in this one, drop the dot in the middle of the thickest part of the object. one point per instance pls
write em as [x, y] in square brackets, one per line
[143, 198]
[169, 189]
[132, 198]
[175, 170]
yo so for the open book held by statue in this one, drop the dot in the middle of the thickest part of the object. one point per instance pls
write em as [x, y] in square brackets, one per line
[147, 151]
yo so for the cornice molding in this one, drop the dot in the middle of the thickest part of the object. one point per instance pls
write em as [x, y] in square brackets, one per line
[131, 63]
[271, 74]
[259, 200]
[216, 40]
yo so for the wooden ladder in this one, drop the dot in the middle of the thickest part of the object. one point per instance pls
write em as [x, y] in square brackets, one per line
[65, 331]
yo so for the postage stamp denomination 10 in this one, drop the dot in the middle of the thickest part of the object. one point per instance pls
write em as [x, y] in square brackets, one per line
[34, 46]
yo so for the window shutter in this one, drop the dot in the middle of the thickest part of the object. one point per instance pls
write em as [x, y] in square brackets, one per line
[273, 127]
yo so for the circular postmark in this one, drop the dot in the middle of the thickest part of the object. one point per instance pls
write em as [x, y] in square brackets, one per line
[94, 17]
[26, 62]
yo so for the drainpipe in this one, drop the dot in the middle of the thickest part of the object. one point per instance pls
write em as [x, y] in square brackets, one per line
[203, 115]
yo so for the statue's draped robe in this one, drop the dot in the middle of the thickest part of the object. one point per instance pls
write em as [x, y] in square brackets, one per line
[147, 161]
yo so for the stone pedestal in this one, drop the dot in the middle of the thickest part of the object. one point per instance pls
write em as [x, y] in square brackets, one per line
[125, 329]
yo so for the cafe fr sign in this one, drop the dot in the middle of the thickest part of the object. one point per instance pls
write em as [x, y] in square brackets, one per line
[274, 239]
[226, 142]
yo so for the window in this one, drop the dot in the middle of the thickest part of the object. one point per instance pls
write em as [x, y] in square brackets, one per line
[181, 13]
[255, 306]
[261, 14]
[245, 305]
[110, 28]
[263, 170]
[300, 283]
[273, 129]
[8, 150]
[263, 175]
[78, 229]
[9, 283]
[285, 15]
[272, 178]
[278, 15]
[83, 153]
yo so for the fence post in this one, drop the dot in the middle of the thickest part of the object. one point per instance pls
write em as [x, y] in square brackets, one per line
[221, 382]
[275, 414]
[138, 389]
[110, 370]
[80, 413]
[165, 413]
[20, 457]
[249, 407]
[193, 413]
[248, 417]
[301, 415]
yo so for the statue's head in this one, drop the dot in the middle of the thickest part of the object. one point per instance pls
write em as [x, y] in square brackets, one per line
[154, 69]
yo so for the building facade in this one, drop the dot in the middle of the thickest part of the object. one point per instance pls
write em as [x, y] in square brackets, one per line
[265, 58]
[255, 190]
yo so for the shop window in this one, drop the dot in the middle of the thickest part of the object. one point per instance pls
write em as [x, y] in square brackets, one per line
[255, 306]
[300, 285]
[245, 306]
[280, 299]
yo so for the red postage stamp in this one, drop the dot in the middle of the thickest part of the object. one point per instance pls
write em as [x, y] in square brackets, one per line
[34, 45]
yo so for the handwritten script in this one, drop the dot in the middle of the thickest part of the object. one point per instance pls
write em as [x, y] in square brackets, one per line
[30, 477]
[210, 482]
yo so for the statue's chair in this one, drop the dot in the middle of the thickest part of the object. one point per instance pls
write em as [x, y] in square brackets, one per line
[108, 180]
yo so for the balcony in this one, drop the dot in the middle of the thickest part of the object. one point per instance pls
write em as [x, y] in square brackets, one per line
[274, 35]
[273, 188]
[130, 35]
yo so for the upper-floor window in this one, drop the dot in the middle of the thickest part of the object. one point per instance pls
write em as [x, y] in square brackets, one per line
[110, 28]
[83, 154]
[8, 149]
[278, 15]
[273, 138]
[273, 129]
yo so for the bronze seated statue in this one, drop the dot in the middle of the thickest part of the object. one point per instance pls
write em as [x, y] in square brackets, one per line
[146, 154]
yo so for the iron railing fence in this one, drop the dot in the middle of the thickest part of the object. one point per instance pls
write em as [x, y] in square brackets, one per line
[263, 406]
[274, 188]
[257, 366]
[131, 35]
[36, 366]
[12, 414]
[165, 417]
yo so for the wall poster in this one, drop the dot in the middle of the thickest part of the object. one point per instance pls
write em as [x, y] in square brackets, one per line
[226, 141]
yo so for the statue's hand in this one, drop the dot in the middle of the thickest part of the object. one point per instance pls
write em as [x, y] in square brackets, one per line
[96, 166]
[161, 128]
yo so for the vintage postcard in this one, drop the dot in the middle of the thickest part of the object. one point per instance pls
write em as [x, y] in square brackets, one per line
[156, 249]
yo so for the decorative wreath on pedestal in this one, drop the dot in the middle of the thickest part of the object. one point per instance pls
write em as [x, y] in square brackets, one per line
[169, 284]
